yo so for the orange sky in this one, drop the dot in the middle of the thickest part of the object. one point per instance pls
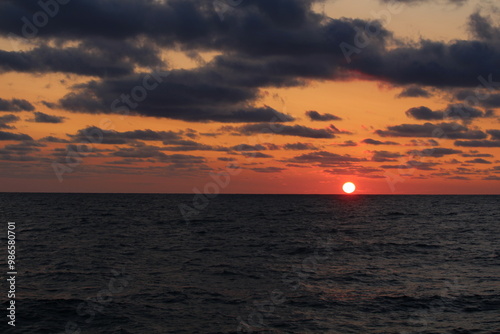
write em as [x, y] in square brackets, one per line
[365, 104]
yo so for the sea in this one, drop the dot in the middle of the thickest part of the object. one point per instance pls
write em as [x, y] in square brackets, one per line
[165, 263]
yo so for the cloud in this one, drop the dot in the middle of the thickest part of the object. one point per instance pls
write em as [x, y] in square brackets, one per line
[52, 139]
[286, 130]
[15, 105]
[40, 117]
[413, 164]
[336, 130]
[6, 119]
[482, 27]
[382, 156]
[495, 134]
[370, 141]
[420, 142]
[14, 136]
[441, 130]
[414, 91]
[437, 152]
[190, 145]
[478, 143]
[360, 171]
[424, 113]
[453, 111]
[492, 178]
[22, 148]
[256, 155]
[246, 147]
[192, 96]
[269, 43]
[477, 155]
[347, 143]
[316, 116]
[418, 2]
[92, 57]
[478, 161]
[98, 135]
[144, 152]
[324, 159]
[490, 100]
[268, 169]
[299, 146]
[226, 159]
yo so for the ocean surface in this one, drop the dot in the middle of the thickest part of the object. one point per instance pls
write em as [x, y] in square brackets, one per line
[129, 263]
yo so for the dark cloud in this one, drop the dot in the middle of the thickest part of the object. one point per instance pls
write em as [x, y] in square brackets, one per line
[6, 119]
[492, 178]
[477, 155]
[268, 169]
[378, 142]
[455, 64]
[347, 143]
[286, 41]
[316, 116]
[22, 148]
[40, 117]
[383, 156]
[144, 152]
[334, 129]
[482, 27]
[324, 159]
[286, 130]
[414, 91]
[97, 135]
[258, 155]
[299, 146]
[226, 159]
[465, 178]
[360, 171]
[453, 111]
[478, 143]
[413, 164]
[14, 136]
[15, 105]
[418, 2]
[129, 161]
[199, 95]
[420, 142]
[441, 130]
[495, 134]
[424, 113]
[246, 147]
[437, 152]
[190, 145]
[94, 57]
[52, 139]
[478, 161]
[489, 100]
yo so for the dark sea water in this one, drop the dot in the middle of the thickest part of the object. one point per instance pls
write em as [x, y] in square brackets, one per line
[105, 263]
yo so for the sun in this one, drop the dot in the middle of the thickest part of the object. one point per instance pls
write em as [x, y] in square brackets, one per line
[349, 187]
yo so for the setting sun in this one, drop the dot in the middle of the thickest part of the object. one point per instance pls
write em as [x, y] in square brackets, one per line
[349, 187]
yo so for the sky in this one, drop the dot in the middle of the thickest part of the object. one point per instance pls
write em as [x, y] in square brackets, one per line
[250, 96]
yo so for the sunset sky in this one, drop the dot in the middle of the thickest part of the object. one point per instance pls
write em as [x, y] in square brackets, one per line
[266, 96]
